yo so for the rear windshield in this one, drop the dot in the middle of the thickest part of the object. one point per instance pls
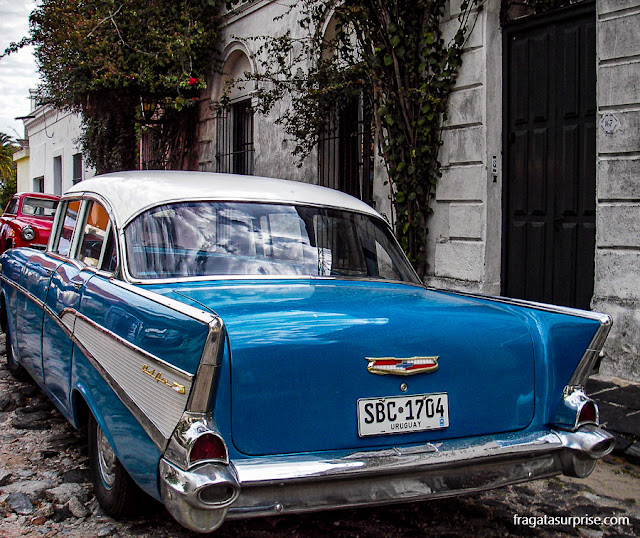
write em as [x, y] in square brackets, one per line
[38, 207]
[232, 238]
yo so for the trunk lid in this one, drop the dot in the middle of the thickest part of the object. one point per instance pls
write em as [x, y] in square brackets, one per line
[299, 354]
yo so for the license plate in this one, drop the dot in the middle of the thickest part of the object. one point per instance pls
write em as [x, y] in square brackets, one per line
[403, 414]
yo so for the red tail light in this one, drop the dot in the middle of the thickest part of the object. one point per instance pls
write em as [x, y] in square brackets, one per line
[208, 447]
[588, 413]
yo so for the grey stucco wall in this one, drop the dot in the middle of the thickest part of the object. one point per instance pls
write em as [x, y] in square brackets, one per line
[464, 241]
[465, 230]
[617, 280]
[272, 150]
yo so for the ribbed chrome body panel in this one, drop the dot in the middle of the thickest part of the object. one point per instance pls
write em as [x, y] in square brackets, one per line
[159, 390]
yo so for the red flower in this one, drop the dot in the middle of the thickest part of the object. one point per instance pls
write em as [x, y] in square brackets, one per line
[193, 81]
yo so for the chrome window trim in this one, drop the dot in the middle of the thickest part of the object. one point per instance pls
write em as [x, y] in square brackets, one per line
[81, 232]
[54, 227]
[87, 197]
[223, 278]
[78, 229]
[124, 262]
[58, 224]
[103, 250]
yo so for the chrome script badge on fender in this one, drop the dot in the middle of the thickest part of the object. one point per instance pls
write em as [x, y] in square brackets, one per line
[396, 366]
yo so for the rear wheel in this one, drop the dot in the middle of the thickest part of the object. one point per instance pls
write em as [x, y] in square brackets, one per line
[113, 487]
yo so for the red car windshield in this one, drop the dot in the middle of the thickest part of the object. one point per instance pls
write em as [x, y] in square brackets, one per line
[39, 207]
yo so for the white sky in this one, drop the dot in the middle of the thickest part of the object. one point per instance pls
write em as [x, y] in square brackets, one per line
[18, 71]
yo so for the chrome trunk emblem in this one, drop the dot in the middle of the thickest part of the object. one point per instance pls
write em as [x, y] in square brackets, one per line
[396, 366]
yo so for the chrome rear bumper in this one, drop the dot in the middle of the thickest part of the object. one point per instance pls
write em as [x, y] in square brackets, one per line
[306, 483]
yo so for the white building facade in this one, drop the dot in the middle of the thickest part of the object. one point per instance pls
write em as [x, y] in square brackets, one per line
[539, 196]
[52, 160]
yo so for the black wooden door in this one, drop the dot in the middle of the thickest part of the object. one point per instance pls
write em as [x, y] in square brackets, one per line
[550, 149]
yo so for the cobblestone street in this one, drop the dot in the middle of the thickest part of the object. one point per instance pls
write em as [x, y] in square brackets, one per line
[44, 491]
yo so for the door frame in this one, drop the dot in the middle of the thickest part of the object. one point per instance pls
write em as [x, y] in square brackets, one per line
[584, 8]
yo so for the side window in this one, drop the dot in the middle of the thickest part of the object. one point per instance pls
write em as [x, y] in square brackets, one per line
[110, 254]
[96, 241]
[69, 217]
[12, 208]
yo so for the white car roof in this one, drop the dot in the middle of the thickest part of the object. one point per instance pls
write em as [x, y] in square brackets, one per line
[129, 193]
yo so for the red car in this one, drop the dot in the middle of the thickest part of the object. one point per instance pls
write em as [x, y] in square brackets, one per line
[27, 220]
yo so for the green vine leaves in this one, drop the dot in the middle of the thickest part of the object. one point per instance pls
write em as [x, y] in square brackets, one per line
[104, 57]
[390, 54]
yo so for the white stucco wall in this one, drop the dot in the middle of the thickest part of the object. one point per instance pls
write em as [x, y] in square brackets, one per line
[52, 133]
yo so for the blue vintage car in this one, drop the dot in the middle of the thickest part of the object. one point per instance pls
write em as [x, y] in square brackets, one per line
[240, 346]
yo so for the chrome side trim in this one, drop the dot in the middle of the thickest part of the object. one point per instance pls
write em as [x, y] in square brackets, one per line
[202, 390]
[568, 411]
[157, 421]
[187, 432]
[147, 425]
[189, 311]
[158, 389]
[117, 375]
[66, 322]
[157, 361]
[22, 290]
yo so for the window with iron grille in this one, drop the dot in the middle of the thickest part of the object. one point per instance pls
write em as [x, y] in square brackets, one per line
[345, 151]
[152, 154]
[234, 138]
[77, 168]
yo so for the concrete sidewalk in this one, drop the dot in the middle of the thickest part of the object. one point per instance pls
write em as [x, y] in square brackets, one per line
[619, 404]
